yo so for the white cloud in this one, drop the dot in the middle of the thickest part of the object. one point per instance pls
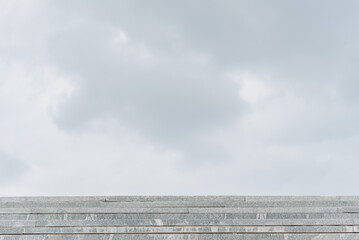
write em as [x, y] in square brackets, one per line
[133, 97]
[252, 89]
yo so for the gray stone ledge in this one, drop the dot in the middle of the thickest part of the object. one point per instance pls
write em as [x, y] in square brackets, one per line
[195, 222]
[194, 229]
[182, 216]
[345, 236]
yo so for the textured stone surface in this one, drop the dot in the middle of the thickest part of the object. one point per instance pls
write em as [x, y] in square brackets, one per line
[180, 217]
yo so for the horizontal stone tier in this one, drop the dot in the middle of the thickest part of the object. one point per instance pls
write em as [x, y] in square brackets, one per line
[197, 210]
[229, 236]
[179, 230]
[180, 217]
[179, 198]
[177, 204]
[179, 222]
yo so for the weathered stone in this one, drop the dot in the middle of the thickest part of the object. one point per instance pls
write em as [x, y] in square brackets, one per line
[180, 217]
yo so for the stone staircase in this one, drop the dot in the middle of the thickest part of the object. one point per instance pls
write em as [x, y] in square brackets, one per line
[180, 217]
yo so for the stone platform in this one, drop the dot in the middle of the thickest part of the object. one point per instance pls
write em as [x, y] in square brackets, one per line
[180, 217]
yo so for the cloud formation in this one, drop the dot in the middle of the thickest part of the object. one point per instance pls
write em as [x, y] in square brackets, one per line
[180, 97]
[10, 168]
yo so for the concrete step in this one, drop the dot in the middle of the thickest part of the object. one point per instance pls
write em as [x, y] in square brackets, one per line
[301, 198]
[177, 198]
[195, 210]
[180, 222]
[178, 230]
[195, 229]
[122, 198]
[231, 236]
[197, 222]
[174, 204]
[90, 210]
[183, 216]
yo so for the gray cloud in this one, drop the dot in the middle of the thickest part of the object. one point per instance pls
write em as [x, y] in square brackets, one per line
[171, 96]
[234, 96]
[11, 168]
[180, 91]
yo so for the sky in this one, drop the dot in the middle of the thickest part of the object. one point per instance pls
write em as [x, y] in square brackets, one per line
[190, 97]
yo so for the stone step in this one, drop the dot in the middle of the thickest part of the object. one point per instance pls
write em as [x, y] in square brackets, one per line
[277, 210]
[300, 198]
[196, 210]
[91, 210]
[173, 204]
[230, 236]
[179, 222]
[122, 198]
[194, 229]
[177, 198]
[177, 230]
[190, 222]
[183, 216]
[180, 198]
[180, 217]
[174, 198]
[53, 199]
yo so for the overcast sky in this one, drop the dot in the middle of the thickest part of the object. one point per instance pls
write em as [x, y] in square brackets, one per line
[182, 97]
